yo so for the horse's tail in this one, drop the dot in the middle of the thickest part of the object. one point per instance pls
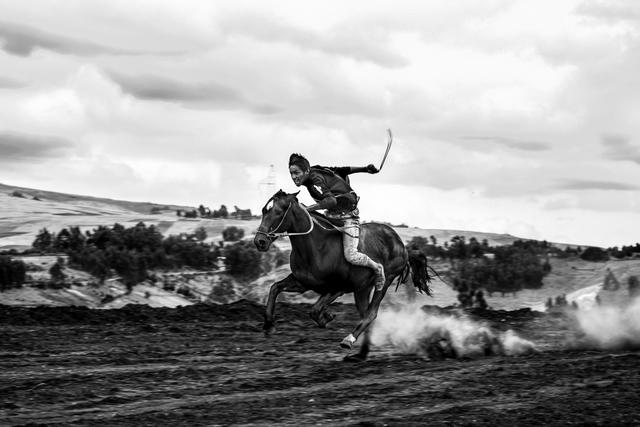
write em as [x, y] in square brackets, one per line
[419, 270]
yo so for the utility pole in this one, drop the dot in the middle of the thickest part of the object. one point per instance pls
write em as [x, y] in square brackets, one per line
[268, 184]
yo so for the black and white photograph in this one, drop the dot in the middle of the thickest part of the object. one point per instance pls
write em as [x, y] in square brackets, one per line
[291, 213]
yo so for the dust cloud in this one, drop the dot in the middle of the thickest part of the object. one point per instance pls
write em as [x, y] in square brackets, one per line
[610, 327]
[411, 330]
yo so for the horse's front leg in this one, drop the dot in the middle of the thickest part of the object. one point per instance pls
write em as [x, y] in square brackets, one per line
[288, 284]
[319, 313]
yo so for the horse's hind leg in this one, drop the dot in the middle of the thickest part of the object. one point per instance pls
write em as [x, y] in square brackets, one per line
[362, 304]
[319, 312]
[369, 315]
[288, 284]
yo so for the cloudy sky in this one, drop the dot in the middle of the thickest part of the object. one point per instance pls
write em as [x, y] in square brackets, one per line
[518, 117]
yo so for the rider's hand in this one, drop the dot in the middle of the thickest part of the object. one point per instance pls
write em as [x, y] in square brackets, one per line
[372, 169]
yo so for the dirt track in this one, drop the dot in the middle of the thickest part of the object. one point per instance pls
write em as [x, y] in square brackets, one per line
[211, 365]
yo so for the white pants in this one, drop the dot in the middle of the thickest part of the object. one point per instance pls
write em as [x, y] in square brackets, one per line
[350, 239]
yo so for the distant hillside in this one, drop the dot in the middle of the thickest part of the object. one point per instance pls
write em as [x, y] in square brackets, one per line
[22, 217]
[494, 239]
[140, 207]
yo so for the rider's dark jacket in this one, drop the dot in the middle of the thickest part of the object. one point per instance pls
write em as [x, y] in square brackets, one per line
[330, 188]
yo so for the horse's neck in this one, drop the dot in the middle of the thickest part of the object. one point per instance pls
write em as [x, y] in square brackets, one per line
[306, 245]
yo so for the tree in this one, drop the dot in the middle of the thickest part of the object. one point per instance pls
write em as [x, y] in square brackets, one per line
[418, 243]
[103, 237]
[475, 249]
[458, 248]
[242, 260]
[511, 269]
[62, 240]
[57, 275]
[221, 213]
[200, 234]
[76, 239]
[12, 273]
[43, 241]
[70, 239]
[594, 254]
[132, 251]
[232, 234]
[140, 237]
[93, 261]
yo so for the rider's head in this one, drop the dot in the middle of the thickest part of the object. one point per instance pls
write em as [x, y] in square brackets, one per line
[298, 168]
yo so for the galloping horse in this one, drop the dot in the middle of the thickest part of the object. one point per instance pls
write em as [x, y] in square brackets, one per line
[318, 264]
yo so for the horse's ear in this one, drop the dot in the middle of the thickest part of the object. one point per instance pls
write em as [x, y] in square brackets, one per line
[295, 194]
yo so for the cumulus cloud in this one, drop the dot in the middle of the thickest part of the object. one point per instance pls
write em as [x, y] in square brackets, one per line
[493, 104]
[8, 83]
[579, 184]
[514, 143]
[620, 148]
[20, 147]
[343, 40]
[212, 94]
[22, 40]
[610, 10]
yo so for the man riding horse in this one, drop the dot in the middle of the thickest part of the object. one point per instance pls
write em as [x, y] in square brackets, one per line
[330, 188]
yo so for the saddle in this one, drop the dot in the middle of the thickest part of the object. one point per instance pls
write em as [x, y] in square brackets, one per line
[325, 221]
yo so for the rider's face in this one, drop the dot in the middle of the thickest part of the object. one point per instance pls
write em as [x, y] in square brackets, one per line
[297, 175]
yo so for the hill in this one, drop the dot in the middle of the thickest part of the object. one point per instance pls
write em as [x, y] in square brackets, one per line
[86, 201]
[24, 212]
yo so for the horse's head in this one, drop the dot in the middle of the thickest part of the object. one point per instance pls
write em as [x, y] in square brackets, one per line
[274, 219]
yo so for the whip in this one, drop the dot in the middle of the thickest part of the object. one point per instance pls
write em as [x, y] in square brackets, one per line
[387, 150]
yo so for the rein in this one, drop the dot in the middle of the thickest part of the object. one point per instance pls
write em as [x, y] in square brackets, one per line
[334, 227]
[274, 235]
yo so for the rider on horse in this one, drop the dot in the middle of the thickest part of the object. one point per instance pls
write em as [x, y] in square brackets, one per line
[329, 187]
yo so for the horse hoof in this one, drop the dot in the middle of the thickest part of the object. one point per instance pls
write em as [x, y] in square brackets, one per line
[348, 342]
[269, 330]
[325, 320]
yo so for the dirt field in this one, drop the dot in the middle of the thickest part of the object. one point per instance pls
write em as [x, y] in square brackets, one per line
[211, 365]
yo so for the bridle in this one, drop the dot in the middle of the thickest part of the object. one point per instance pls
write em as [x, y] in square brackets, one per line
[275, 234]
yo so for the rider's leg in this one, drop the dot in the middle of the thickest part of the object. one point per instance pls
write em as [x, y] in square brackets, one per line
[350, 240]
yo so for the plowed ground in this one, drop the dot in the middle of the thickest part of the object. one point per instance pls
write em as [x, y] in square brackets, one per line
[211, 365]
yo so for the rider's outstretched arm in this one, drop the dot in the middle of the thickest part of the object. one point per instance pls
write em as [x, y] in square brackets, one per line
[348, 170]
